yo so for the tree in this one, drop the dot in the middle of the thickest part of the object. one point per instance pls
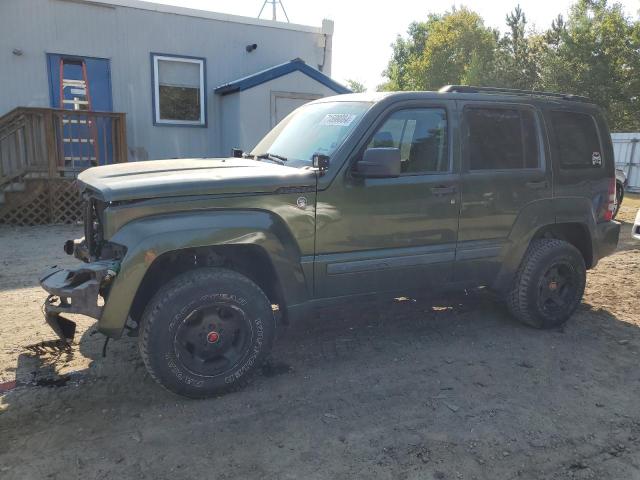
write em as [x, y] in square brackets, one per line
[453, 48]
[516, 64]
[596, 53]
[356, 86]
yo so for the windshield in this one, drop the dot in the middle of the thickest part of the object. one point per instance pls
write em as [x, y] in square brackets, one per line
[315, 128]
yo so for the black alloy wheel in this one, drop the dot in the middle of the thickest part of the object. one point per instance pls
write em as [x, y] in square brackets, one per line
[212, 339]
[557, 289]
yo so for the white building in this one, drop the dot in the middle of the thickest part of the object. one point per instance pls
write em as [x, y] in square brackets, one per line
[191, 83]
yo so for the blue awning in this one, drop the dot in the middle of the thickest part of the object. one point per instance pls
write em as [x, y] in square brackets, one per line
[296, 65]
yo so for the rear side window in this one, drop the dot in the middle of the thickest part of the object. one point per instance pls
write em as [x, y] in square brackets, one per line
[578, 144]
[501, 139]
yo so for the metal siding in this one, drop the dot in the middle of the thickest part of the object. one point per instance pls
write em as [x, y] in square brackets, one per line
[254, 109]
[626, 150]
[126, 36]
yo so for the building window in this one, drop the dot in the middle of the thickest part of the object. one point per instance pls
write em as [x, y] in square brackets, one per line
[178, 90]
[501, 139]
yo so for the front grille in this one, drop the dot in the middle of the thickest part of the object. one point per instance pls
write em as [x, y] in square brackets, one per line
[93, 232]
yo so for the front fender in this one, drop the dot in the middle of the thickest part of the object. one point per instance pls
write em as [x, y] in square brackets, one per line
[148, 238]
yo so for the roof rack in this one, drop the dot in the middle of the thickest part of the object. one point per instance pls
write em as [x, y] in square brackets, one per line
[511, 91]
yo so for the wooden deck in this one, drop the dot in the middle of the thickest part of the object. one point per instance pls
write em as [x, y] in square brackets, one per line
[42, 150]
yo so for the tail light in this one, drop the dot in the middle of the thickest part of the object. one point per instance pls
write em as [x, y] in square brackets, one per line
[611, 200]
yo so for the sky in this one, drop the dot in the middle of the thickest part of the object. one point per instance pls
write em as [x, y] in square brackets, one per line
[364, 30]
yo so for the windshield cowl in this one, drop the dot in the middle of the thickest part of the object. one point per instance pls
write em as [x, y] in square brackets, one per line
[271, 156]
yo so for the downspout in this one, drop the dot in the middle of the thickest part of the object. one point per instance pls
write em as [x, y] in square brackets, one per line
[327, 32]
[324, 53]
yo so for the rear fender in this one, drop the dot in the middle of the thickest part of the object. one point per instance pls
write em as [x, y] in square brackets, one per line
[148, 238]
[536, 217]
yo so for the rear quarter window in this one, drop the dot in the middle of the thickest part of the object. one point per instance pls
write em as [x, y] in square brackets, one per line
[577, 140]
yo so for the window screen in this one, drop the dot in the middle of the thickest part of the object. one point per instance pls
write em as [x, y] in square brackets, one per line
[577, 140]
[421, 136]
[179, 90]
[501, 139]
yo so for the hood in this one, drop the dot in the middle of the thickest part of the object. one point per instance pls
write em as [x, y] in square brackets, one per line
[172, 178]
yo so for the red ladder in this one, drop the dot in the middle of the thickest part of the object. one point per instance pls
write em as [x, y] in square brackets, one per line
[79, 146]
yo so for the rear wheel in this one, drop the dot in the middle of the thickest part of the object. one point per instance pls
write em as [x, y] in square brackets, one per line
[549, 284]
[206, 332]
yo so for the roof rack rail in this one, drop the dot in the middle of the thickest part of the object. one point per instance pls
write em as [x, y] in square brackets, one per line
[511, 91]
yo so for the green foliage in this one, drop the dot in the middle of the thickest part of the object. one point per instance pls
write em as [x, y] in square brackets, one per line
[452, 48]
[597, 53]
[517, 53]
[356, 86]
[594, 52]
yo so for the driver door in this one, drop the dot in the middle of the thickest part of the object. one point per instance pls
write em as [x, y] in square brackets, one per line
[392, 234]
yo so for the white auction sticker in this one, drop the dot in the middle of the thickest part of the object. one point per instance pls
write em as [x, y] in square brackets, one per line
[338, 119]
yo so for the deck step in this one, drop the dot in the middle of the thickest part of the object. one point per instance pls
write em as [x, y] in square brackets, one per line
[36, 175]
[80, 158]
[14, 187]
[77, 140]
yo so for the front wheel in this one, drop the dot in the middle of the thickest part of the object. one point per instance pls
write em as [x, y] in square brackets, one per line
[206, 332]
[549, 284]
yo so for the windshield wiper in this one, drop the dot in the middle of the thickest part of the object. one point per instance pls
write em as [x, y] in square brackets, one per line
[271, 156]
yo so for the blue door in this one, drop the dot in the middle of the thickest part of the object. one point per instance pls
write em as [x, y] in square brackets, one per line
[82, 85]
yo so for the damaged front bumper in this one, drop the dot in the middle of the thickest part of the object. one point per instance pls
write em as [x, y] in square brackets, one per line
[76, 290]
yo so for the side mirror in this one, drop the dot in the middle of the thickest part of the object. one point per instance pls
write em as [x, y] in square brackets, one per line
[379, 163]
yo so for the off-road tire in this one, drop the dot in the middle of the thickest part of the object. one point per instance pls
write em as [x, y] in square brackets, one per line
[524, 299]
[172, 307]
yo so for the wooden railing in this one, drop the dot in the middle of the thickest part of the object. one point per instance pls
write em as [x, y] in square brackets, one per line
[49, 142]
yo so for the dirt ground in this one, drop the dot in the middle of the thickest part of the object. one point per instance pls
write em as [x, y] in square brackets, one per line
[451, 389]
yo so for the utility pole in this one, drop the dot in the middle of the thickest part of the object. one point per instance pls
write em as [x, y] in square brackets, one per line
[274, 5]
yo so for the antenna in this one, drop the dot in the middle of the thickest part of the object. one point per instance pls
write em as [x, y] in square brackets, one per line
[274, 5]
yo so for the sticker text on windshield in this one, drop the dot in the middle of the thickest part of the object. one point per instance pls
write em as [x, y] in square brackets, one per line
[338, 119]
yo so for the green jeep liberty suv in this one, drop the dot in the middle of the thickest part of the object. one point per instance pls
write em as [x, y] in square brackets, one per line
[348, 196]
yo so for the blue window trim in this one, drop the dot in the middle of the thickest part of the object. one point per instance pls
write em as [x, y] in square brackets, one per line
[204, 124]
[272, 73]
[78, 57]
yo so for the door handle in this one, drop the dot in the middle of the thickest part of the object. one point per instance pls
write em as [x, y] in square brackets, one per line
[443, 189]
[537, 185]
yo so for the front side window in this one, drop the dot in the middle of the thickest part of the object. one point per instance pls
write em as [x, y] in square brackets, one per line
[316, 128]
[179, 91]
[501, 139]
[421, 136]
[577, 140]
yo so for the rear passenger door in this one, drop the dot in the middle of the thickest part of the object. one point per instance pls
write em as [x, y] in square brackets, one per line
[504, 170]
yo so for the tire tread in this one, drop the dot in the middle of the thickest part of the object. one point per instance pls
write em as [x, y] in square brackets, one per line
[517, 300]
[165, 295]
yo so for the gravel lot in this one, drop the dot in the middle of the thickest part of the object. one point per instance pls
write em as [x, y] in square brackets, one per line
[450, 389]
